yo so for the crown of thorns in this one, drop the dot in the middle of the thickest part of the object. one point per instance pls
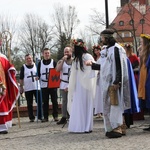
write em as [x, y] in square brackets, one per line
[78, 43]
[127, 45]
[96, 47]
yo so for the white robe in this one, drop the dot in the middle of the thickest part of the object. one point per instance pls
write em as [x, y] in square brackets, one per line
[80, 97]
[98, 102]
[113, 114]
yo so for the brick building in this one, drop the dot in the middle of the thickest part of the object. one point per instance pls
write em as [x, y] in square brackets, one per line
[133, 19]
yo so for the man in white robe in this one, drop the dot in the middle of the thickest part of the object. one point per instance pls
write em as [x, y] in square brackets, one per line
[113, 72]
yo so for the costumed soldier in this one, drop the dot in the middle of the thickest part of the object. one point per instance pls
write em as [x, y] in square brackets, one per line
[44, 67]
[30, 86]
[64, 66]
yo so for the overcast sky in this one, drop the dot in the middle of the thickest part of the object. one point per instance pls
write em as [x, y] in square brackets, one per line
[17, 8]
[45, 8]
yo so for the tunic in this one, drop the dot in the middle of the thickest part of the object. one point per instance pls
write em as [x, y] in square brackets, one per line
[44, 70]
[29, 78]
[64, 76]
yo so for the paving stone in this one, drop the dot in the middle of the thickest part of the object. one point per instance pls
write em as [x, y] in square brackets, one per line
[50, 136]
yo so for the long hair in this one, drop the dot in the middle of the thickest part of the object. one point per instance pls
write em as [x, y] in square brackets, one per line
[94, 56]
[145, 51]
[110, 41]
[98, 47]
[108, 35]
[78, 52]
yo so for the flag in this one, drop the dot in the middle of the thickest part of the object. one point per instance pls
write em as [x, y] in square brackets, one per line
[54, 78]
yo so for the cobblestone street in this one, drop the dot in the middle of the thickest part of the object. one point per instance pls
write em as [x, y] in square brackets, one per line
[49, 136]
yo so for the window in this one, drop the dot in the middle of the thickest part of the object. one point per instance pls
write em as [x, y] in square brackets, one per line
[131, 22]
[126, 34]
[142, 21]
[122, 34]
[121, 23]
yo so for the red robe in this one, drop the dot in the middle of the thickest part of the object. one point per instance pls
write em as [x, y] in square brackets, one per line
[135, 64]
[7, 101]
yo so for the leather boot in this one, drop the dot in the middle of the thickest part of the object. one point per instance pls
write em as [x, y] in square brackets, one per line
[63, 120]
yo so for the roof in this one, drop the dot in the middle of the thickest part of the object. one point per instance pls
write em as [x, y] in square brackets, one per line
[140, 1]
[124, 16]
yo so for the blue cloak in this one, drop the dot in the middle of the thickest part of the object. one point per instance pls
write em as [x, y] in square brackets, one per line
[135, 106]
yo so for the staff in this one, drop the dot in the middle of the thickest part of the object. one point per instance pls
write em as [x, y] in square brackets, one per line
[37, 93]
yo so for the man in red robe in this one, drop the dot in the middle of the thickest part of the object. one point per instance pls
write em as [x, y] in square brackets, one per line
[9, 93]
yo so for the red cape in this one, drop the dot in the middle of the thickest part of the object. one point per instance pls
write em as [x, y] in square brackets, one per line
[7, 101]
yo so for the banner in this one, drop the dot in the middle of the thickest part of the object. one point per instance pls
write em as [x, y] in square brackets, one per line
[54, 78]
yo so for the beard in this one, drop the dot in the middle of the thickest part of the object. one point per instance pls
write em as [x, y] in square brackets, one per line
[104, 43]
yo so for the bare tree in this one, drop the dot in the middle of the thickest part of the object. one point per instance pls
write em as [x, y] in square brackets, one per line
[35, 34]
[131, 13]
[97, 22]
[17, 60]
[130, 10]
[7, 30]
[88, 39]
[65, 20]
[134, 24]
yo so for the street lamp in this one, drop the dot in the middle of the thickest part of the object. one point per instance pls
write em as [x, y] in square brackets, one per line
[106, 14]
[6, 35]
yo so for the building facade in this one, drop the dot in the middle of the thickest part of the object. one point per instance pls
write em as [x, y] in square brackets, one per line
[131, 21]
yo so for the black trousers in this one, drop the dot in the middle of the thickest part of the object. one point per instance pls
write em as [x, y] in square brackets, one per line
[29, 97]
[128, 119]
[46, 92]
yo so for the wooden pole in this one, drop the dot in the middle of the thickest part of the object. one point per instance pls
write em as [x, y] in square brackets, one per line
[18, 114]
